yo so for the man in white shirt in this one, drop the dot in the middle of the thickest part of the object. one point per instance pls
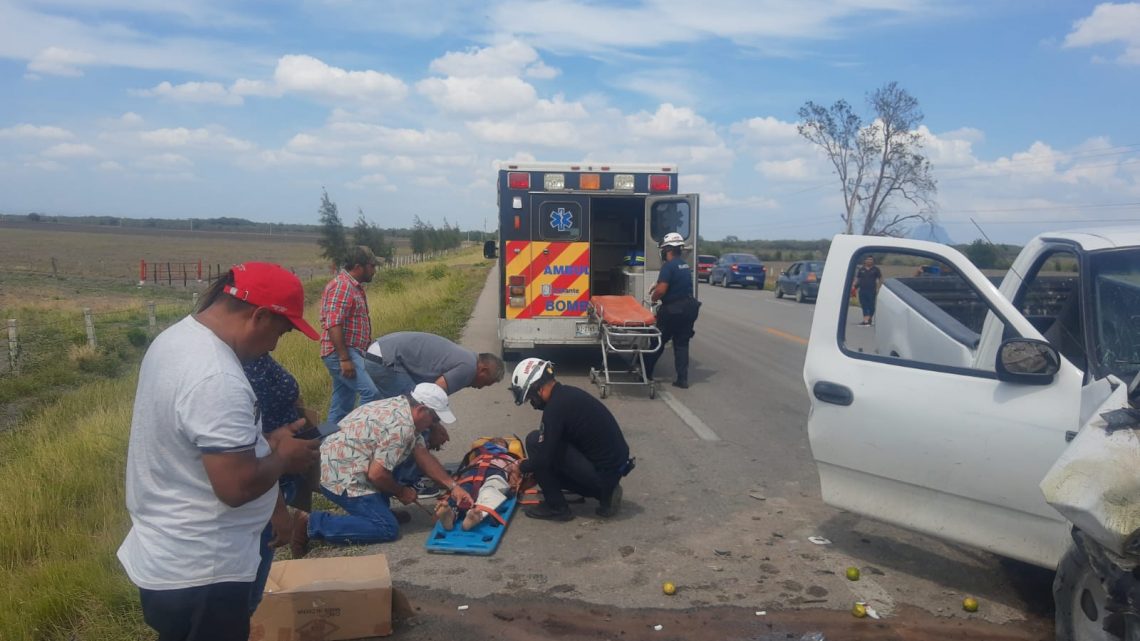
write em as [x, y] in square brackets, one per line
[201, 478]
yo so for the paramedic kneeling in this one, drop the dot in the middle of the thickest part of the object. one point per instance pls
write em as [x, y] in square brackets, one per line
[678, 311]
[577, 447]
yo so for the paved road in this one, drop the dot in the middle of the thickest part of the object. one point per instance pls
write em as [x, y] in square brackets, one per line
[691, 515]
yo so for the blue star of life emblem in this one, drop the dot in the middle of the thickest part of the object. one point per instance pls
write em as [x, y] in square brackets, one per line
[561, 219]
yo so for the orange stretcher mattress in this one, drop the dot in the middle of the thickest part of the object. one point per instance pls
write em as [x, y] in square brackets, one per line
[622, 311]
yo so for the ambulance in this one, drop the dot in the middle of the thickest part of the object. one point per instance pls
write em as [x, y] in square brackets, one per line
[572, 230]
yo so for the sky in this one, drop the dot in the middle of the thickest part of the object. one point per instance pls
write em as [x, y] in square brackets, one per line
[399, 108]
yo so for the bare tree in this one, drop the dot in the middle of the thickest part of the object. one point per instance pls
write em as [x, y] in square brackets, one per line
[877, 163]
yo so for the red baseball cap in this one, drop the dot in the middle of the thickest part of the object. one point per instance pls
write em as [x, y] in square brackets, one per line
[274, 288]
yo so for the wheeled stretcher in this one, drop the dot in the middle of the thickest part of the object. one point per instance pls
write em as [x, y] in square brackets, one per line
[627, 330]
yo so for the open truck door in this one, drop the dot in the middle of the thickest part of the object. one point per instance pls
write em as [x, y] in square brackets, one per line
[913, 422]
[665, 214]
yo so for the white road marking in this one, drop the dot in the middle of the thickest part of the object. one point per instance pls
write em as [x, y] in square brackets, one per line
[688, 417]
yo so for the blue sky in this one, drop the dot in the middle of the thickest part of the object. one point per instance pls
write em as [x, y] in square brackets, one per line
[180, 108]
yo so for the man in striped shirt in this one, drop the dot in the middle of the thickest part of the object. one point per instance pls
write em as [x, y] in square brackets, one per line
[347, 331]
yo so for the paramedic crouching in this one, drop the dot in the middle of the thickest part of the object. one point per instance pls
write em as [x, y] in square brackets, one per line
[577, 447]
[678, 311]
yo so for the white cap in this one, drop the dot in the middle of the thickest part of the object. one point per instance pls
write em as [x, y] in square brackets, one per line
[434, 397]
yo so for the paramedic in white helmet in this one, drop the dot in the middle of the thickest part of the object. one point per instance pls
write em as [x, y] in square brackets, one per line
[679, 309]
[578, 446]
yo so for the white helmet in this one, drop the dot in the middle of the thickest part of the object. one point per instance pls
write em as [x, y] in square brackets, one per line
[528, 373]
[672, 239]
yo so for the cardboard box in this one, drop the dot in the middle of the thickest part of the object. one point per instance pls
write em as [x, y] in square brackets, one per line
[325, 600]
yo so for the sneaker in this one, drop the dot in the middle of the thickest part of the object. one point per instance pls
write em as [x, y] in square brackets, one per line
[609, 507]
[427, 489]
[544, 512]
[681, 384]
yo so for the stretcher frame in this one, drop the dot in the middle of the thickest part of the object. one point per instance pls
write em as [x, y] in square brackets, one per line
[628, 338]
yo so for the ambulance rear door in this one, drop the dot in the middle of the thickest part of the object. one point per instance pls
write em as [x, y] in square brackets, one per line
[665, 214]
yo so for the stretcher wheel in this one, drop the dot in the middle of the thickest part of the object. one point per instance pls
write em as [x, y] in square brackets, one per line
[652, 391]
[593, 376]
[605, 390]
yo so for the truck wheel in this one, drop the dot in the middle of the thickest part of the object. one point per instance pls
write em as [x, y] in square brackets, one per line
[800, 295]
[1079, 600]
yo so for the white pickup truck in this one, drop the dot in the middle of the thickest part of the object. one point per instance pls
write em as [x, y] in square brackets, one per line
[950, 412]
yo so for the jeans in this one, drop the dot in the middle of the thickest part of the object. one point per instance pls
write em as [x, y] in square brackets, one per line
[215, 612]
[288, 486]
[867, 302]
[345, 390]
[369, 519]
[387, 379]
[571, 471]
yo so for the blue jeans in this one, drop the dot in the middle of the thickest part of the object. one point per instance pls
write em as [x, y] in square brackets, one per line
[345, 390]
[388, 380]
[288, 487]
[369, 519]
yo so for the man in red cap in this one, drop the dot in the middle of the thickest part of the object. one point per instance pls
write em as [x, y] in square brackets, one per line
[201, 479]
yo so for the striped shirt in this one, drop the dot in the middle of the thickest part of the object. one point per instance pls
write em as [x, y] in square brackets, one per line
[344, 303]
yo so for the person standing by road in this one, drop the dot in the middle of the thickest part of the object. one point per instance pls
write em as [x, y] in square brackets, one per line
[375, 456]
[397, 362]
[347, 332]
[201, 479]
[578, 446]
[868, 279]
[679, 309]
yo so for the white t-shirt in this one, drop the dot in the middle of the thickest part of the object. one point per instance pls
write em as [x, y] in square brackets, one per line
[192, 397]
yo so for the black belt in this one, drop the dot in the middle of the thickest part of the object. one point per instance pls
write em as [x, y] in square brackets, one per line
[374, 358]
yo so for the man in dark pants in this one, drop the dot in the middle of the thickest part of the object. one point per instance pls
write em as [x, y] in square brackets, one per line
[578, 446]
[678, 311]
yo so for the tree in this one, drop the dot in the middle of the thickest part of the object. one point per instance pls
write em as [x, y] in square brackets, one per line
[983, 254]
[420, 236]
[333, 241]
[877, 163]
[369, 235]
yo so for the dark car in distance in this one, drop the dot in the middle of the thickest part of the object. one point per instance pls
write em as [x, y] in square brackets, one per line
[705, 264]
[800, 279]
[745, 270]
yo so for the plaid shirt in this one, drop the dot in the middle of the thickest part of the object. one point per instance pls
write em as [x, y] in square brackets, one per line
[381, 431]
[344, 303]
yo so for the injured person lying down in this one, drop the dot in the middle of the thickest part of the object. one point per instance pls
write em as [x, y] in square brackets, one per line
[490, 473]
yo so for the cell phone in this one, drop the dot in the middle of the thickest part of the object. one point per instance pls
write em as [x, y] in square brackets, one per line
[309, 433]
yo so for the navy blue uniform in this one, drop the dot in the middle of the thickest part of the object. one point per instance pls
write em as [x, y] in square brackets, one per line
[675, 317]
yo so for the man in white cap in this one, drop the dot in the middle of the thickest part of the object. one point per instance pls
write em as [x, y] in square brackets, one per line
[679, 309]
[377, 454]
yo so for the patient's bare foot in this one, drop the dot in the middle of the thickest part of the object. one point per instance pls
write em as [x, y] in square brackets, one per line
[473, 518]
[445, 515]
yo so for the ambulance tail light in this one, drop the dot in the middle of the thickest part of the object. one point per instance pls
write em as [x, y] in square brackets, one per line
[518, 180]
[590, 181]
[659, 182]
[517, 291]
[623, 182]
[553, 182]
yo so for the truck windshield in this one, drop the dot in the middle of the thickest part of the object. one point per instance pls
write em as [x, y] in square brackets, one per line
[1116, 311]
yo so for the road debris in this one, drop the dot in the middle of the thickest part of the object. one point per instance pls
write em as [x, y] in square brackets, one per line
[658, 627]
[872, 613]
[859, 610]
[970, 604]
[463, 607]
[722, 552]
[819, 540]
[668, 588]
[758, 496]
[852, 573]
[761, 613]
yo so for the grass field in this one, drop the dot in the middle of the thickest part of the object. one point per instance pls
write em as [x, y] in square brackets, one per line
[61, 471]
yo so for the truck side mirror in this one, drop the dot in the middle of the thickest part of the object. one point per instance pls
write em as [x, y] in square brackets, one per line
[488, 249]
[1027, 361]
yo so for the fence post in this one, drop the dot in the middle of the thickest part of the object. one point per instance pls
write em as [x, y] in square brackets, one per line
[194, 301]
[152, 321]
[13, 347]
[54, 269]
[169, 276]
[89, 323]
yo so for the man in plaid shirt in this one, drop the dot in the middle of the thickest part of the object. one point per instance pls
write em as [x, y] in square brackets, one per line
[347, 331]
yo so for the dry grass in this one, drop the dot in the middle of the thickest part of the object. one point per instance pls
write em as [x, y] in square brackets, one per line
[61, 473]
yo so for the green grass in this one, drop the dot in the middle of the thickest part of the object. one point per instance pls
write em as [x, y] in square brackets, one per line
[61, 473]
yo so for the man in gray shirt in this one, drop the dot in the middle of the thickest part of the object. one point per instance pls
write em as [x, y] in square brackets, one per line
[397, 362]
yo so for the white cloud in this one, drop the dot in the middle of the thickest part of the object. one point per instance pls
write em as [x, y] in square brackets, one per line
[57, 61]
[131, 119]
[198, 138]
[1110, 24]
[541, 71]
[545, 134]
[506, 59]
[243, 87]
[767, 131]
[45, 165]
[194, 92]
[109, 165]
[164, 162]
[671, 123]
[44, 132]
[306, 74]
[70, 150]
[478, 94]
[794, 169]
